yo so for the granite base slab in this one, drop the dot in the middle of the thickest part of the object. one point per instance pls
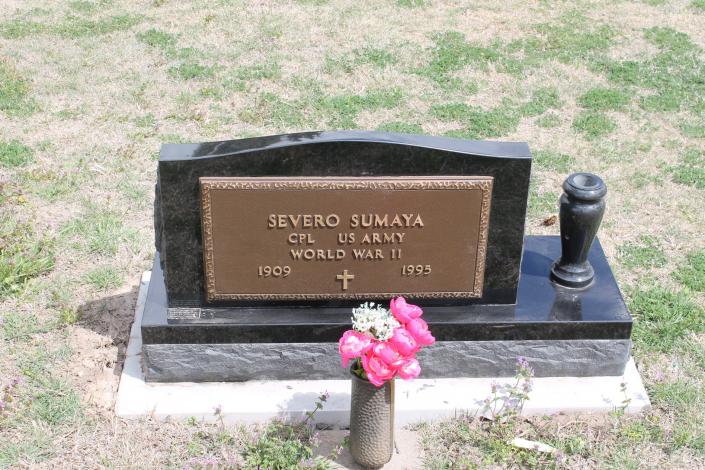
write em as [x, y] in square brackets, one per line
[291, 361]
[419, 400]
[543, 312]
[562, 332]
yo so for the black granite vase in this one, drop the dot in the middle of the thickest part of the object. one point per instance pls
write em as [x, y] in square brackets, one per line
[581, 211]
[371, 422]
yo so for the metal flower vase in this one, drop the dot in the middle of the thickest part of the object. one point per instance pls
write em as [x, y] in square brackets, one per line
[371, 422]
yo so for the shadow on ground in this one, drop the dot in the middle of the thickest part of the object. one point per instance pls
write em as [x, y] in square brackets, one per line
[111, 317]
[98, 341]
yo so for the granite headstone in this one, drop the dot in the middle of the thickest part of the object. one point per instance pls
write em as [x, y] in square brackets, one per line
[261, 253]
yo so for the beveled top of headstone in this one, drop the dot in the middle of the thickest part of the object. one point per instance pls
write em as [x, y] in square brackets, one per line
[175, 152]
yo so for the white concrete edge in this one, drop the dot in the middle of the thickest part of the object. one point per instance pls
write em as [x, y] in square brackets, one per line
[417, 400]
[131, 378]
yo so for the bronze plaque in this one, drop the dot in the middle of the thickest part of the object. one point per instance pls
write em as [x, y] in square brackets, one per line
[344, 238]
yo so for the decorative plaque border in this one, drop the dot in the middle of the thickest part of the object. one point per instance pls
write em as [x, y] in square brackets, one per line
[207, 184]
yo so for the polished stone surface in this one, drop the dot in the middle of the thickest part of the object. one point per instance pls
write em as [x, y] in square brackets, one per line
[581, 210]
[349, 153]
[544, 311]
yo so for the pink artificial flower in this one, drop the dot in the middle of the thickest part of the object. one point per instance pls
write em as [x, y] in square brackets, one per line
[404, 312]
[419, 330]
[377, 370]
[353, 344]
[410, 369]
[403, 341]
[388, 353]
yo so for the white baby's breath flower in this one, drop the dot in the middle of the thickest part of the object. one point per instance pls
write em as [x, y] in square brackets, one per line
[375, 320]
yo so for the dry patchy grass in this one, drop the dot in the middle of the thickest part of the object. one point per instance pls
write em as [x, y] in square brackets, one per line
[90, 89]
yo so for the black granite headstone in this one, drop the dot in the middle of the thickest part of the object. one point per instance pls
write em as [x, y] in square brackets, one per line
[521, 312]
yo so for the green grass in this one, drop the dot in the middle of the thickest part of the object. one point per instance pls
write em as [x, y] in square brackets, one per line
[282, 447]
[594, 125]
[338, 112]
[133, 191]
[263, 71]
[678, 395]
[400, 127]
[644, 254]
[669, 39]
[167, 44]
[23, 255]
[158, 39]
[73, 27]
[604, 99]
[14, 153]
[463, 443]
[99, 232]
[84, 6]
[663, 318]
[191, 70]
[239, 78]
[342, 110]
[693, 129]
[375, 56]
[549, 120]
[541, 203]
[692, 274]
[682, 398]
[573, 39]
[641, 179]
[66, 114]
[478, 123]
[698, 4]
[672, 77]
[411, 3]
[31, 446]
[56, 403]
[146, 120]
[551, 160]
[642, 431]
[51, 185]
[541, 101]
[451, 53]
[45, 406]
[15, 99]
[103, 278]
[21, 28]
[22, 326]
[378, 57]
[691, 169]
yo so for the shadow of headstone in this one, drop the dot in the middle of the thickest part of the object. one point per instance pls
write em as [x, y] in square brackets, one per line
[111, 316]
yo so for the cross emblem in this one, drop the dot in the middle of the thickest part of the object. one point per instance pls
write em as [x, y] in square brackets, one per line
[345, 277]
